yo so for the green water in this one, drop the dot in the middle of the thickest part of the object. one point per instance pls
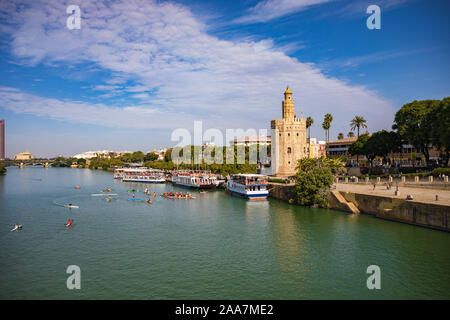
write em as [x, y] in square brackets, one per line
[212, 247]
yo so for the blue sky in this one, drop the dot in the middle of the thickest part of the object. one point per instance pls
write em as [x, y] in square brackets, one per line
[138, 69]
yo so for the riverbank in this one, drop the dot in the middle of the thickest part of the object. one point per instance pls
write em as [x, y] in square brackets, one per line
[382, 203]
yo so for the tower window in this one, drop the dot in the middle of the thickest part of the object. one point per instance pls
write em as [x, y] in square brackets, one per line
[289, 134]
[289, 150]
[297, 134]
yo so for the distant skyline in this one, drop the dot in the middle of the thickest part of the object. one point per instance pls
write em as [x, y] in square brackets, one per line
[138, 69]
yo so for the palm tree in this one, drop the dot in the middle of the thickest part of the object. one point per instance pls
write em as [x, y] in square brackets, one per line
[326, 127]
[309, 122]
[350, 134]
[340, 136]
[357, 123]
[328, 119]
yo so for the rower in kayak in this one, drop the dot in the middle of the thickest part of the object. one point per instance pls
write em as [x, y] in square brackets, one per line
[69, 223]
[17, 227]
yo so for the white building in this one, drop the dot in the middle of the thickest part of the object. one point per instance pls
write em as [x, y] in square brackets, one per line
[316, 148]
[160, 152]
[104, 153]
[251, 140]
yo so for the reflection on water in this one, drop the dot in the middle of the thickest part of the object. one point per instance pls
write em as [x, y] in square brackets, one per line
[291, 244]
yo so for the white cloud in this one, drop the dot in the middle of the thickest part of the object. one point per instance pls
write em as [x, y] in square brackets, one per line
[76, 111]
[271, 9]
[105, 87]
[357, 8]
[186, 73]
[354, 62]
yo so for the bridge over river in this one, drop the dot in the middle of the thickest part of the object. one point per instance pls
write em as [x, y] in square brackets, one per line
[32, 162]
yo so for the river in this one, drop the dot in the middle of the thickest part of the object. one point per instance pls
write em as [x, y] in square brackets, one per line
[212, 247]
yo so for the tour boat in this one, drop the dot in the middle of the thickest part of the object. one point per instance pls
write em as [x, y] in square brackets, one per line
[118, 173]
[142, 175]
[196, 180]
[249, 186]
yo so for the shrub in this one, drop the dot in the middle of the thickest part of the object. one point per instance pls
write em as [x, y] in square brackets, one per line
[278, 180]
[436, 172]
[411, 169]
[376, 171]
[312, 182]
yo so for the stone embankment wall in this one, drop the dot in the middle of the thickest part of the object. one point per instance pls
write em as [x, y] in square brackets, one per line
[436, 216]
[429, 215]
[280, 191]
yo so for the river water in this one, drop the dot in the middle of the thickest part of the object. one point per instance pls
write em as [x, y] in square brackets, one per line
[212, 247]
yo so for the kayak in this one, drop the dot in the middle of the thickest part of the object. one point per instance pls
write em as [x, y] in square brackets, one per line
[174, 197]
[71, 206]
[103, 194]
[19, 227]
[131, 199]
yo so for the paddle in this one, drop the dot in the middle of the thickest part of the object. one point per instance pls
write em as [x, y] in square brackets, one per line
[67, 225]
[17, 228]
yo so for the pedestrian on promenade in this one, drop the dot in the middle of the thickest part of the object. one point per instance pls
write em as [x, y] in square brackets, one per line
[374, 186]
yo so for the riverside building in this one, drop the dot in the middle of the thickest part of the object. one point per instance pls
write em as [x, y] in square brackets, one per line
[288, 136]
[24, 156]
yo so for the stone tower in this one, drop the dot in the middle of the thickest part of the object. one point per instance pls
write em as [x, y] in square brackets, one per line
[288, 139]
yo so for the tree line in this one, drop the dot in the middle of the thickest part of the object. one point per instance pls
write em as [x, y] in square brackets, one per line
[423, 124]
[152, 160]
[355, 124]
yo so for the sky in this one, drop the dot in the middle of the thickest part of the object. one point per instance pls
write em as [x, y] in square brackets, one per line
[136, 70]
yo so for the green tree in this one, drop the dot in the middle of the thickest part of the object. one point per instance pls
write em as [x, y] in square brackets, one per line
[357, 123]
[70, 161]
[327, 124]
[350, 134]
[340, 136]
[151, 156]
[312, 182]
[2, 169]
[438, 119]
[168, 155]
[326, 127]
[137, 156]
[413, 124]
[115, 162]
[126, 157]
[358, 147]
[382, 143]
[309, 123]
